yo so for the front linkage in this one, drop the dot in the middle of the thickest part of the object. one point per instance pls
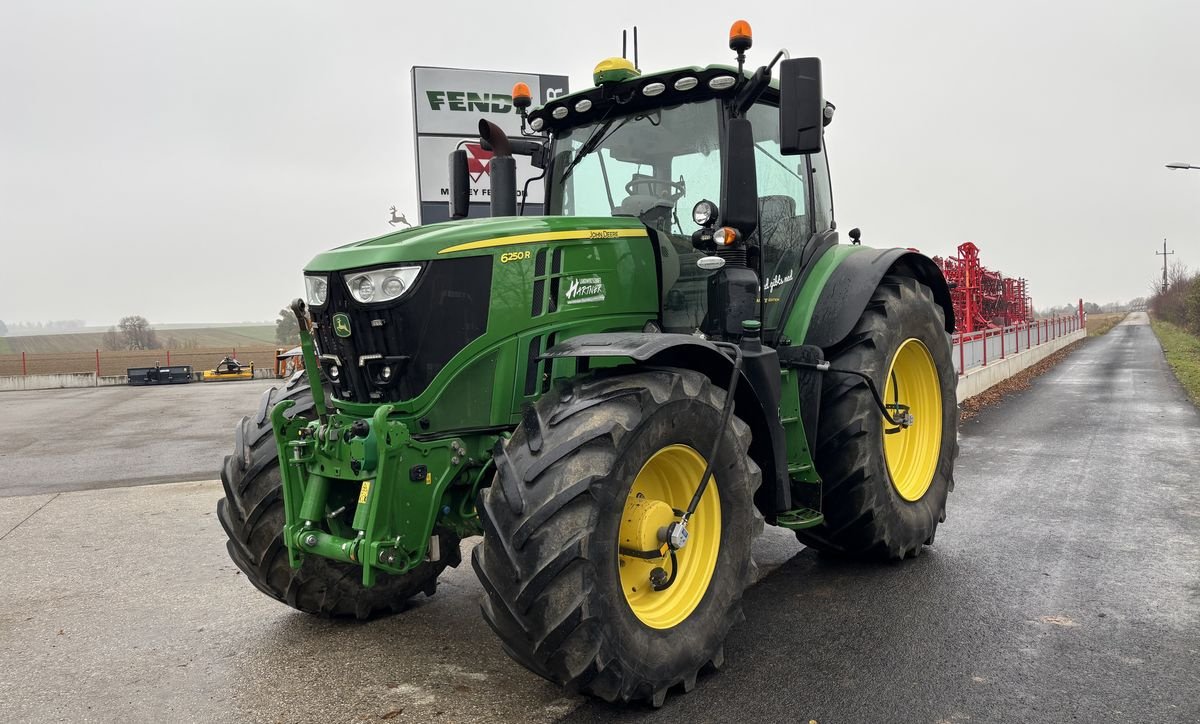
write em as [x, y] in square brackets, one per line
[363, 490]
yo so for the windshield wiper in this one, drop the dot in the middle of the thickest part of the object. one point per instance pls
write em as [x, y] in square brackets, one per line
[598, 136]
[589, 145]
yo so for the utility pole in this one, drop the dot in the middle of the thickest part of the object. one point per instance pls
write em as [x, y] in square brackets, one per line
[1164, 254]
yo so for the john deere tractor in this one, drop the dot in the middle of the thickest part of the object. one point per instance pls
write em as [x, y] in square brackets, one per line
[615, 395]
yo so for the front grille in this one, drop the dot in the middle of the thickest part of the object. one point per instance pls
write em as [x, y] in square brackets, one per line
[395, 349]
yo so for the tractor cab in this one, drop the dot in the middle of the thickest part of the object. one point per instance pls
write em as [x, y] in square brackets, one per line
[723, 167]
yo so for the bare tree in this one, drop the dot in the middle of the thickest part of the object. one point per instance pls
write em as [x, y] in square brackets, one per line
[137, 333]
[1178, 273]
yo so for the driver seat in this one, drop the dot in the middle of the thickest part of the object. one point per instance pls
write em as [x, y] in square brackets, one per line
[654, 211]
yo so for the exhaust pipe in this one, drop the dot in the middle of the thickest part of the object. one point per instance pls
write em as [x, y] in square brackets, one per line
[503, 169]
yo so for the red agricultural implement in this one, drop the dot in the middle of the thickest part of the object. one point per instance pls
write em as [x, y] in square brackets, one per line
[983, 298]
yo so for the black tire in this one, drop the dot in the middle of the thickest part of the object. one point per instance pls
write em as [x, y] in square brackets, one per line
[253, 517]
[548, 559]
[864, 514]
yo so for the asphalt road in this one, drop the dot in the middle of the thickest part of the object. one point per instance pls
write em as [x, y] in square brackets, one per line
[54, 441]
[1064, 586]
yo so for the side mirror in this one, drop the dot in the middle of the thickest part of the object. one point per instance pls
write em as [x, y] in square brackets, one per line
[739, 184]
[460, 185]
[801, 106]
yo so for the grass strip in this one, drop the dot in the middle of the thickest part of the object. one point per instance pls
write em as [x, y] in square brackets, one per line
[1183, 355]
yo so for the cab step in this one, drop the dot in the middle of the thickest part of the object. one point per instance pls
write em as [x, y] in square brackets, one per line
[799, 519]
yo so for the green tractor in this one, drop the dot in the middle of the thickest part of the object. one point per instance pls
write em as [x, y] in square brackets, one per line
[615, 395]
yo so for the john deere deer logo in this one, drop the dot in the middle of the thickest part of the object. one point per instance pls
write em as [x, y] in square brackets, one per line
[341, 325]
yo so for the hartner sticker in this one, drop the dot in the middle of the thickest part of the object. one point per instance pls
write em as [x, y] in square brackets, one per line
[585, 289]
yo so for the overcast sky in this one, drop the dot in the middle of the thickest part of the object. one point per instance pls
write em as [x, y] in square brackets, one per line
[185, 160]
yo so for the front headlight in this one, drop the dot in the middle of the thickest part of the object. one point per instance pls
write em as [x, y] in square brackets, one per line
[317, 289]
[381, 285]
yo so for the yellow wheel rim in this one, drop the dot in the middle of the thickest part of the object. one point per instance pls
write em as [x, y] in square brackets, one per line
[667, 483]
[912, 452]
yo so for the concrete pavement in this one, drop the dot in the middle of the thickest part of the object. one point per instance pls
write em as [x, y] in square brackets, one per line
[58, 440]
[121, 605]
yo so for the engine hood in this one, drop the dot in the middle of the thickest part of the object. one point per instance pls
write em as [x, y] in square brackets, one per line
[471, 237]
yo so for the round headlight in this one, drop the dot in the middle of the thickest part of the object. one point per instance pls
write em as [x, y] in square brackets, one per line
[366, 288]
[704, 212]
[318, 290]
[536, 124]
[687, 83]
[392, 287]
[559, 113]
[583, 106]
[721, 82]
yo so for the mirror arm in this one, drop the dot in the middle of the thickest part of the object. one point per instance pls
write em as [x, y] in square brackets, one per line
[536, 150]
[752, 89]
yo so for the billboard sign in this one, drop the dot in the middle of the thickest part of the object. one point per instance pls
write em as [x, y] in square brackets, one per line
[447, 106]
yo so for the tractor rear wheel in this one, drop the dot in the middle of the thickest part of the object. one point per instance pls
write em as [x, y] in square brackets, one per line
[612, 462]
[885, 486]
[252, 515]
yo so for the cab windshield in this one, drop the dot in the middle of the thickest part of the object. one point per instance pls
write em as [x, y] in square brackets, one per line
[655, 165]
[648, 165]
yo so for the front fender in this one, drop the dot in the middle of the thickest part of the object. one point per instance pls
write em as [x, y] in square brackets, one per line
[768, 447]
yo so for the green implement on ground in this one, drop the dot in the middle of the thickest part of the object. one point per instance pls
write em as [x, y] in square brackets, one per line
[616, 395]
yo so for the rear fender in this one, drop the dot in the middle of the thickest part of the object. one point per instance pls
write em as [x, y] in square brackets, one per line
[768, 447]
[849, 287]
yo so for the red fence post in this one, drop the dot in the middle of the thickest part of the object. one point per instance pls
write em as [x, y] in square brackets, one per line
[168, 358]
[1002, 333]
[985, 348]
[97, 363]
[24, 370]
[962, 359]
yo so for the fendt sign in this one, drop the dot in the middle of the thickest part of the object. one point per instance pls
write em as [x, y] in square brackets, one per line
[447, 106]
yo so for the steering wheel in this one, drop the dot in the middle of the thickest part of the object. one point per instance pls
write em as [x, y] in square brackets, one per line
[677, 187]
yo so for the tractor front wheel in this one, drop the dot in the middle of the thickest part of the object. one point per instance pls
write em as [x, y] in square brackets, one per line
[252, 515]
[581, 587]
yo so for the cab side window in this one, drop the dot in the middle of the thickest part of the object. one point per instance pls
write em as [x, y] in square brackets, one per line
[785, 221]
[822, 190]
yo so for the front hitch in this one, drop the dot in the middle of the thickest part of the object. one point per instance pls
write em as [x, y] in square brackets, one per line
[396, 486]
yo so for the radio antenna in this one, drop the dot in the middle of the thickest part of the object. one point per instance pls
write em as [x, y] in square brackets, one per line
[635, 49]
[624, 43]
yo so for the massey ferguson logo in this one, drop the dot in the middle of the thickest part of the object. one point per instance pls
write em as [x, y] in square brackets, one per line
[467, 102]
[479, 162]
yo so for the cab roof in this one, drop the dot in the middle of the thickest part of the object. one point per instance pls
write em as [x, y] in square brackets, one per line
[652, 90]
